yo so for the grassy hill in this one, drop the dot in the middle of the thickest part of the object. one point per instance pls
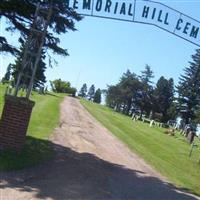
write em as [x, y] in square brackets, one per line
[44, 119]
[167, 154]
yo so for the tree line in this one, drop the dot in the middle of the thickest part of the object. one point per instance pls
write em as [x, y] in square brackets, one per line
[136, 94]
[60, 86]
[91, 94]
[162, 101]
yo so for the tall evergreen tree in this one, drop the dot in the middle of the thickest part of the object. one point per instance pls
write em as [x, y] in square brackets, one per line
[129, 86]
[91, 93]
[146, 75]
[7, 75]
[97, 96]
[40, 78]
[189, 89]
[197, 119]
[145, 100]
[83, 91]
[124, 96]
[164, 94]
[20, 14]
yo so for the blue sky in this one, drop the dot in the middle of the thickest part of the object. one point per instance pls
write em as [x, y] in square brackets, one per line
[102, 49]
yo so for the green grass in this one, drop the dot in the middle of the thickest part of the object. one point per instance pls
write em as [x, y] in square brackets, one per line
[167, 154]
[2, 91]
[45, 116]
[44, 119]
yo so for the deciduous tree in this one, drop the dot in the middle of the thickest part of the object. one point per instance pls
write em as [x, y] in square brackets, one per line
[60, 86]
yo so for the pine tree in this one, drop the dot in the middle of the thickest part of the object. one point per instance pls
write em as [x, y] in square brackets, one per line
[163, 95]
[40, 78]
[7, 75]
[20, 13]
[197, 114]
[189, 89]
[97, 96]
[145, 100]
[83, 91]
[91, 93]
[124, 96]
[129, 86]
[147, 75]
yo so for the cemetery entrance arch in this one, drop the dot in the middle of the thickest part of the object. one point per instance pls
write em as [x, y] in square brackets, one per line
[142, 11]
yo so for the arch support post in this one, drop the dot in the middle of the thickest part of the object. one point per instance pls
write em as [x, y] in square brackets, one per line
[14, 122]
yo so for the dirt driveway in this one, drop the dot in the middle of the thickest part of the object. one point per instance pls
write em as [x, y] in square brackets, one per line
[90, 163]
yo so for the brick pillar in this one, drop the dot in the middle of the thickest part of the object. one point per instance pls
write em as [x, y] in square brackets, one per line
[14, 122]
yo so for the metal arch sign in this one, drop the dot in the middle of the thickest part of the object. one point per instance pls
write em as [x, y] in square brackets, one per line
[141, 11]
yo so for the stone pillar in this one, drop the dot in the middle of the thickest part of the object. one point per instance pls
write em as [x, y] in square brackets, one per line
[14, 122]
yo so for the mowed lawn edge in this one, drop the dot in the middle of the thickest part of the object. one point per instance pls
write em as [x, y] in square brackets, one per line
[167, 154]
[45, 117]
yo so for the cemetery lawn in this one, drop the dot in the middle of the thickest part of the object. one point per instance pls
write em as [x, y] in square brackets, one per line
[167, 154]
[2, 91]
[45, 117]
